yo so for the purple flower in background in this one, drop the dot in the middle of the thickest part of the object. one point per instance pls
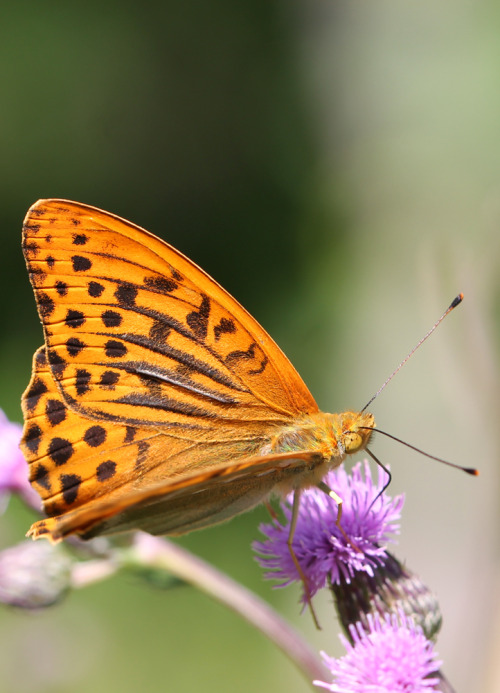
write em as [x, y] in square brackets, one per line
[34, 574]
[13, 466]
[395, 657]
[324, 553]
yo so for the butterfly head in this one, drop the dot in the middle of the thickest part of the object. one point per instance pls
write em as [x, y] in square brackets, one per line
[353, 430]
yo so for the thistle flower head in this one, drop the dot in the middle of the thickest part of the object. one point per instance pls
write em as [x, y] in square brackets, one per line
[34, 574]
[394, 657]
[323, 551]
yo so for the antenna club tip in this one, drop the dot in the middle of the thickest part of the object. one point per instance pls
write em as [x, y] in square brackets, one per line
[456, 301]
[471, 471]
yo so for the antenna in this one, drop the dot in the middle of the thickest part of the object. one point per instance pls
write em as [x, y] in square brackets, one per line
[467, 470]
[456, 301]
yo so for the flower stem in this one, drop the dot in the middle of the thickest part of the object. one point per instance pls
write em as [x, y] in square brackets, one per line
[153, 552]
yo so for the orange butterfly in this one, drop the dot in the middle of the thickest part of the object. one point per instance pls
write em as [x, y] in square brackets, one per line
[157, 402]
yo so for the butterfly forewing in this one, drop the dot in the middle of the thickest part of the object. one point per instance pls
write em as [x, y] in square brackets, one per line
[137, 333]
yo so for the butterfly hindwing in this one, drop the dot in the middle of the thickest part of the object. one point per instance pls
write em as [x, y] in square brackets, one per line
[94, 479]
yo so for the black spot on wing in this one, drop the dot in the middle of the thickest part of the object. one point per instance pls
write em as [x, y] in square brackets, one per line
[162, 285]
[55, 412]
[61, 288]
[70, 485]
[130, 434]
[34, 228]
[74, 346]
[80, 263]
[95, 436]
[198, 319]
[225, 326]
[41, 358]
[106, 470]
[95, 289]
[111, 318]
[37, 389]
[45, 303]
[82, 381]
[41, 477]
[109, 379]
[57, 363]
[126, 293]
[31, 249]
[32, 438]
[115, 349]
[74, 318]
[60, 451]
[37, 276]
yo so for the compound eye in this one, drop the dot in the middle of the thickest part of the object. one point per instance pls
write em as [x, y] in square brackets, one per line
[352, 441]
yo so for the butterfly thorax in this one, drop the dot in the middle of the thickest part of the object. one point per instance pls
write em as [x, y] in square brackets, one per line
[332, 436]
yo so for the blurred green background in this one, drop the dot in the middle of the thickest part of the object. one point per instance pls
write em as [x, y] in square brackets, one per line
[336, 166]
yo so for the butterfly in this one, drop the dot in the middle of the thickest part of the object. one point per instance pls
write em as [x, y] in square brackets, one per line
[156, 401]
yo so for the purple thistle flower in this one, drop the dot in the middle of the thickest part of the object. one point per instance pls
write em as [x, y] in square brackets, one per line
[13, 466]
[395, 657]
[322, 550]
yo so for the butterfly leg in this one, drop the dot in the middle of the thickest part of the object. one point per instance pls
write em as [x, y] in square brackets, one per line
[330, 492]
[271, 510]
[293, 525]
